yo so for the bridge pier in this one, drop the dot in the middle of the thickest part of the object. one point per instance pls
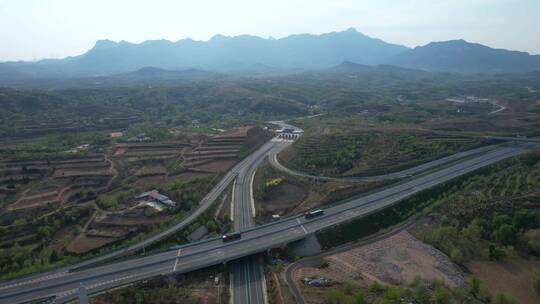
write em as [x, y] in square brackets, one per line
[308, 246]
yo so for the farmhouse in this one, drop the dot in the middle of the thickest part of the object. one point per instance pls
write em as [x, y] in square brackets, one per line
[156, 197]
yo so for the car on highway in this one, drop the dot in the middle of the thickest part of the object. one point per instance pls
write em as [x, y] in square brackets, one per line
[314, 213]
[231, 237]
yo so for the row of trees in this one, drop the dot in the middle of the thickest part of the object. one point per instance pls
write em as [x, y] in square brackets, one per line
[493, 239]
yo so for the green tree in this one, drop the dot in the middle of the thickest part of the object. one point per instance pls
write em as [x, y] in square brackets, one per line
[211, 225]
[441, 295]
[334, 297]
[456, 255]
[421, 294]
[477, 289]
[348, 288]
[506, 234]
[54, 256]
[475, 286]
[358, 298]
[45, 231]
[496, 253]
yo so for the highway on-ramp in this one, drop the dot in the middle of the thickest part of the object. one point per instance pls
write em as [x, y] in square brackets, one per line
[254, 240]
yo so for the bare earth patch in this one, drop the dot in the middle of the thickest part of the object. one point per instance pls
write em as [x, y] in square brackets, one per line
[395, 260]
[513, 277]
[35, 200]
[82, 243]
[282, 199]
[149, 170]
[217, 166]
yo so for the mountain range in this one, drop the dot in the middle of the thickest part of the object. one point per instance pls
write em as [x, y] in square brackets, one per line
[251, 54]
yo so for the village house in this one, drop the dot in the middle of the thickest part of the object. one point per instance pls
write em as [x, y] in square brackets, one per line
[155, 197]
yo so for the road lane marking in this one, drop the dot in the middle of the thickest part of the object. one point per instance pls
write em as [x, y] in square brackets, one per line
[232, 198]
[251, 199]
[52, 276]
[176, 261]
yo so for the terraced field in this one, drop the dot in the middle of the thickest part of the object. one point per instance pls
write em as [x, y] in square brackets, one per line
[217, 154]
[37, 183]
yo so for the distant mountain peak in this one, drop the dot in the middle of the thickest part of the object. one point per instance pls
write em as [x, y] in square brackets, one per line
[219, 37]
[104, 44]
[466, 57]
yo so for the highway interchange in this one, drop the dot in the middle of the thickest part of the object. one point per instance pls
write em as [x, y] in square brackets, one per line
[247, 276]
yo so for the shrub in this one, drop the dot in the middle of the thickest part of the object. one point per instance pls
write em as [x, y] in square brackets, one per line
[348, 288]
[456, 255]
[334, 297]
[441, 295]
[503, 298]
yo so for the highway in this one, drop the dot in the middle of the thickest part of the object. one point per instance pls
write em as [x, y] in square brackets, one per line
[247, 275]
[254, 240]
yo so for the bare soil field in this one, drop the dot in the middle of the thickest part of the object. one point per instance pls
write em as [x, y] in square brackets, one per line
[125, 221]
[82, 243]
[144, 180]
[282, 199]
[513, 277]
[81, 172]
[107, 232]
[62, 238]
[36, 200]
[217, 166]
[396, 260]
[190, 174]
[153, 169]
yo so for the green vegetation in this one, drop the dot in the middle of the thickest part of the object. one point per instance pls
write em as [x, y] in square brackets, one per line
[347, 152]
[463, 212]
[25, 259]
[481, 238]
[55, 146]
[186, 194]
[420, 291]
[493, 215]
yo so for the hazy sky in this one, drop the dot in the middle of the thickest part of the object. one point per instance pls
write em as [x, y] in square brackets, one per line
[34, 29]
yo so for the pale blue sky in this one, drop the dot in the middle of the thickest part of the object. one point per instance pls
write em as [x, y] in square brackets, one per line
[34, 29]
